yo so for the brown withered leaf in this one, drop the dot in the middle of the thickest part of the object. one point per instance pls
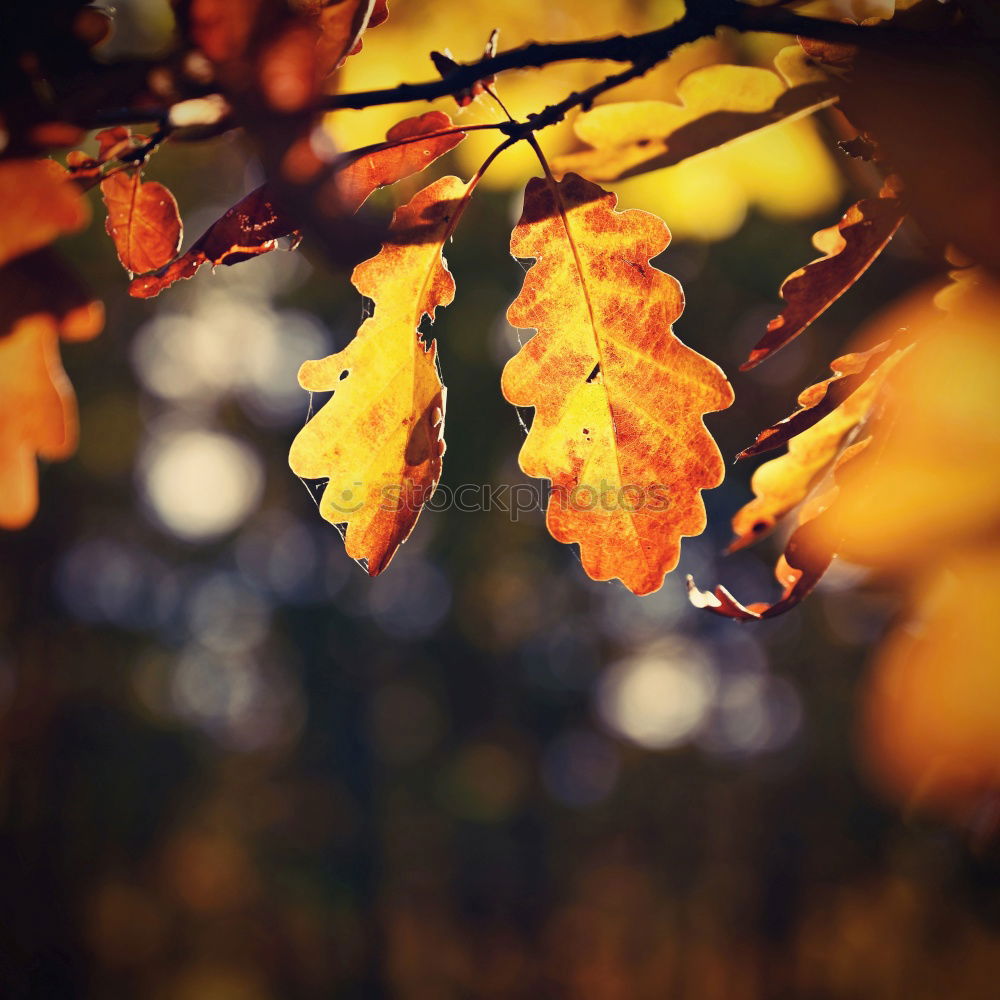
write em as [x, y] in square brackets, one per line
[378, 442]
[255, 224]
[782, 483]
[618, 399]
[850, 373]
[38, 202]
[143, 220]
[251, 227]
[718, 104]
[807, 557]
[40, 299]
[849, 249]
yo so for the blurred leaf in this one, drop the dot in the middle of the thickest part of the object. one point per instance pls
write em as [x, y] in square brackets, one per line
[39, 300]
[618, 398]
[933, 482]
[932, 711]
[378, 442]
[718, 104]
[37, 203]
[849, 248]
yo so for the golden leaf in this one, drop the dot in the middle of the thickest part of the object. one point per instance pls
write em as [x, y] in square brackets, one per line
[718, 105]
[379, 440]
[618, 398]
[806, 558]
[850, 373]
[783, 483]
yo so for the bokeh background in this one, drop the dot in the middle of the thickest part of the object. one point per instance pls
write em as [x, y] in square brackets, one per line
[233, 767]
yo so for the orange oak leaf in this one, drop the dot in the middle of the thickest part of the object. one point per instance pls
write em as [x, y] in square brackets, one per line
[718, 104]
[255, 224]
[849, 248]
[618, 399]
[40, 300]
[378, 442]
[38, 202]
[360, 177]
[782, 483]
[850, 373]
[143, 221]
[807, 556]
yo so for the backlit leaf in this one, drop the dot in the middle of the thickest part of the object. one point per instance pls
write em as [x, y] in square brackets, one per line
[782, 483]
[378, 442]
[357, 180]
[718, 104]
[848, 248]
[806, 558]
[851, 372]
[143, 221]
[618, 399]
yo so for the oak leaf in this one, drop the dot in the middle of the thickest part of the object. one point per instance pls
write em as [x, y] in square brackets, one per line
[782, 483]
[850, 373]
[806, 558]
[849, 248]
[618, 399]
[143, 221]
[718, 104]
[38, 202]
[255, 223]
[378, 442]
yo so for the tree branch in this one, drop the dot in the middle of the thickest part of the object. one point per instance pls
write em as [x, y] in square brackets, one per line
[703, 18]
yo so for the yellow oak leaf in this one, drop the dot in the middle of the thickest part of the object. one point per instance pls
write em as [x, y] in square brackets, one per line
[379, 440]
[783, 483]
[618, 399]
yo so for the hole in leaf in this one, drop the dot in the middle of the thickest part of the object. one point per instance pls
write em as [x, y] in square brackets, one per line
[593, 375]
[344, 374]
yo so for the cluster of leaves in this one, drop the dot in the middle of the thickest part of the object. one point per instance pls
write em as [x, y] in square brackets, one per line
[619, 401]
